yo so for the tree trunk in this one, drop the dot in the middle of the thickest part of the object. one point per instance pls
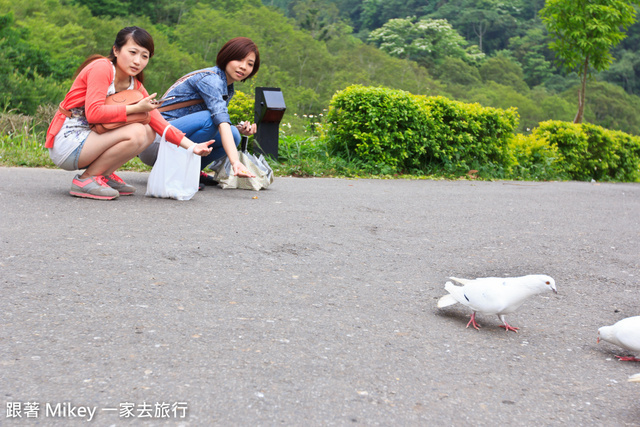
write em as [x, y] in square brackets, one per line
[479, 30]
[582, 92]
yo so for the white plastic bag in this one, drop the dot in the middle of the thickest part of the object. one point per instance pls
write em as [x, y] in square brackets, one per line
[176, 172]
[223, 172]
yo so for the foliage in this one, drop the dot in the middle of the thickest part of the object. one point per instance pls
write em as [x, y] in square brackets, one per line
[503, 70]
[241, 108]
[625, 72]
[531, 52]
[609, 106]
[378, 126]
[29, 74]
[404, 132]
[454, 71]
[310, 55]
[584, 32]
[395, 132]
[21, 138]
[322, 20]
[310, 156]
[426, 41]
[469, 136]
[533, 107]
[535, 158]
[488, 23]
[591, 152]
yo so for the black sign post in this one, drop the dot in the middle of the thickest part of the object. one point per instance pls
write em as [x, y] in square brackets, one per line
[269, 109]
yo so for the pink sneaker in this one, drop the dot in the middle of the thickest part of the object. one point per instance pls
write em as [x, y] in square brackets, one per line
[117, 183]
[94, 187]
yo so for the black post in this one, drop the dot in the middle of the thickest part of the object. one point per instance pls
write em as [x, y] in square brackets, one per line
[269, 109]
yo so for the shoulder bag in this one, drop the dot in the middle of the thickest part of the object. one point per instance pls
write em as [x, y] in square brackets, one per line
[125, 97]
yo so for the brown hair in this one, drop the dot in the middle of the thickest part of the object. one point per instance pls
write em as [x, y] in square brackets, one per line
[139, 35]
[237, 49]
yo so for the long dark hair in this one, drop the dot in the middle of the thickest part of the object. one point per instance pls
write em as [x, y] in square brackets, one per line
[139, 35]
[236, 50]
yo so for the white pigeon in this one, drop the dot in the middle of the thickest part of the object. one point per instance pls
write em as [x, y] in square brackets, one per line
[495, 295]
[625, 334]
[634, 378]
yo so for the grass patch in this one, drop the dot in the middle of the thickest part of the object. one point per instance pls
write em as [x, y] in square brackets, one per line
[24, 149]
[27, 150]
[311, 156]
[299, 156]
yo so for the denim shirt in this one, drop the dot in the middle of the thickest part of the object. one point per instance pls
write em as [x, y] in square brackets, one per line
[209, 84]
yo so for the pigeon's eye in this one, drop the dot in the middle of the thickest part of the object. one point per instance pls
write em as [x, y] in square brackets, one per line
[547, 282]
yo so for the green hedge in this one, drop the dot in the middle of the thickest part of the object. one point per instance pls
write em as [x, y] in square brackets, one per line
[401, 132]
[587, 151]
[535, 159]
[392, 131]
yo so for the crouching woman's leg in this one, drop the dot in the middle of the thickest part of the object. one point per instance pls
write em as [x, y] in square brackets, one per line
[103, 154]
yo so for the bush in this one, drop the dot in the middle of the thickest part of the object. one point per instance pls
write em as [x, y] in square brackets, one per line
[470, 137]
[591, 152]
[535, 158]
[241, 108]
[379, 126]
[396, 130]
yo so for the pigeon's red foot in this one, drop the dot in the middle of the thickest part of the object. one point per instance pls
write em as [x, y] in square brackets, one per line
[628, 359]
[507, 327]
[473, 322]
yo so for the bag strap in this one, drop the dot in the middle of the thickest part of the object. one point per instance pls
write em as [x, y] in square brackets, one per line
[180, 105]
[164, 134]
[64, 111]
[185, 77]
[184, 103]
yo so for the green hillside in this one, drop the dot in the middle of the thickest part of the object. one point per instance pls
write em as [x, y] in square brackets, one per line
[311, 49]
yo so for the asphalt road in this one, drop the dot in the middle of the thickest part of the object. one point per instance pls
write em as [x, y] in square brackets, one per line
[313, 303]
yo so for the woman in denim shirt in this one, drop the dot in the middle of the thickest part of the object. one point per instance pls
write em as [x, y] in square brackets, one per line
[197, 105]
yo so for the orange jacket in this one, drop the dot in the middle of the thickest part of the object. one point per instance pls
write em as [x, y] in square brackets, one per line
[90, 90]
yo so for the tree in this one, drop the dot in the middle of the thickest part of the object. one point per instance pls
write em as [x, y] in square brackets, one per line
[367, 15]
[491, 22]
[321, 19]
[611, 107]
[427, 41]
[584, 32]
[504, 70]
[531, 51]
[105, 7]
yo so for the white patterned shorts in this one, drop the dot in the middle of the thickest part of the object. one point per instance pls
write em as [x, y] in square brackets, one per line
[68, 143]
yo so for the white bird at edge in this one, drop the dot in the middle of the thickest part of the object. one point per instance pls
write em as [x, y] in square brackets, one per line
[625, 334]
[495, 295]
[634, 378]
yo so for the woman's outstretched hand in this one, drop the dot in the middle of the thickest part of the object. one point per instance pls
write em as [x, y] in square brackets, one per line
[241, 170]
[203, 149]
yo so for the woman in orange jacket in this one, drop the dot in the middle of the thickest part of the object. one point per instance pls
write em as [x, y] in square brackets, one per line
[74, 146]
